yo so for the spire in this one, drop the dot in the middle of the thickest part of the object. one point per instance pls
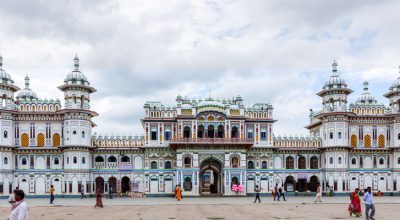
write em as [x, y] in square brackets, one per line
[365, 86]
[1, 62]
[334, 67]
[76, 62]
[26, 81]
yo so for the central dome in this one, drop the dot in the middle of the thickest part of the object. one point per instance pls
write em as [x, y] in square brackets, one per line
[210, 103]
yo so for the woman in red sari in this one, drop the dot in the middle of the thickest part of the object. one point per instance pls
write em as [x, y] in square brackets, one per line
[355, 205]
[99, 202]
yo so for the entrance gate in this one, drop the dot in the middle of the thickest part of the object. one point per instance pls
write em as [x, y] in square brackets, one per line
[211, 177]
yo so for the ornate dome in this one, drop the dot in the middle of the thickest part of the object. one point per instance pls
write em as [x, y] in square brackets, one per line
[366, 98]
[4, 76]
[335, 81]
[76, 76]
[395, 84]
[26, 93]
[210, 103]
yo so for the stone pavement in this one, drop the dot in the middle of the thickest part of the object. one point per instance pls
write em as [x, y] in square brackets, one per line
[152, 201]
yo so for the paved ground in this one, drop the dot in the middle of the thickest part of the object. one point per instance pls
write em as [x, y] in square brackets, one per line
[200, 208]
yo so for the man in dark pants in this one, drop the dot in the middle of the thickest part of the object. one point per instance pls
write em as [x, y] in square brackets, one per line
[257, 190]
[51, 194]
[110, 192]
[281, 193]
[369, 204]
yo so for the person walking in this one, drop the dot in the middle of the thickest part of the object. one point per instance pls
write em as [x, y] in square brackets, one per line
[110, 192]
[51, 194]
[83, 192]
[99, 201]
[369, 204]
[281, 193]
[178, 193]
[257, 190]
[20, 210]
[276, 193]
[355, 203]
[319, 194]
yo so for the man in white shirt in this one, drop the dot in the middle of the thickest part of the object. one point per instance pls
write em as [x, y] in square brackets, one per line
[20, 210]
[369, 204]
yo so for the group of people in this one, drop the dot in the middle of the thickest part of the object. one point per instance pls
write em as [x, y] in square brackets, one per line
[355, 204]
[277, 193]
[19, 208]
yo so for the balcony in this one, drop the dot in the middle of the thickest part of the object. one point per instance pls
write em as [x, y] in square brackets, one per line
[107, 166]
[177, 142]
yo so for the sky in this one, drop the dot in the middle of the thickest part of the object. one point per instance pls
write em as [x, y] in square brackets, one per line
[279, 52]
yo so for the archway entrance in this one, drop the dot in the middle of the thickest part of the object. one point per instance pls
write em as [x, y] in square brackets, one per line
[313, 185]
[125, 184]
[211, 177]
[289, 184]
[100, 184]
[112, 182]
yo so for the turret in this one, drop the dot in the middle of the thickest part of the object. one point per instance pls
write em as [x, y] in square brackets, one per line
[334, 93]
[7, 88]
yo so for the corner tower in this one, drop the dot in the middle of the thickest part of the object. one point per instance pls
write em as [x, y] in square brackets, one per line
[77, 123]
[7, 88]
[334, 93]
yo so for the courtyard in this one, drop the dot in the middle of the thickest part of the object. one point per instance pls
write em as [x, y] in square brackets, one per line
[199, 208]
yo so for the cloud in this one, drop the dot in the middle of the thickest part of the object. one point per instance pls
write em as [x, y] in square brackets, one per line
[133, 51]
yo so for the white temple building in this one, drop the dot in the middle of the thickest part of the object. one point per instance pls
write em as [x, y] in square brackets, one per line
[205, 145]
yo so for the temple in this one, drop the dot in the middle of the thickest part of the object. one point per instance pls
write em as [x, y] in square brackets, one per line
[205, 145]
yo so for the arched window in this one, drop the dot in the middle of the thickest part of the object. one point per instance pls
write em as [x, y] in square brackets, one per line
[125, 159]
[186, 132]
[398, 160]
[168, 165]
[5, 160]
[235, 162]
[367, 140]
[331, 160]
[302, 163]
[23, 161]
[56, 161]
[83, 134]
[99, 159]
[381, 161]
[200, 131]
[187, 162]
[314, 162]
[234, 132]
[220, 131]
[339, 160]
[75, 159]
[83, 160]
[250, 165]
[250, 133]
[339, 135]
[153, 165]
[331, 135]
[112, 159]
[289, 162]
[5, 135]
[264, 165]
[353, 140]
[74, 132]
[353, 161]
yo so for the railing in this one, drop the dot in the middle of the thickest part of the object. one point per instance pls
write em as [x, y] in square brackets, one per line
[212, 141]
[104, 165]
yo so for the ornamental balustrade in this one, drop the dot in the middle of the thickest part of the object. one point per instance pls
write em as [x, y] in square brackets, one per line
[212, 140]
[113, 165]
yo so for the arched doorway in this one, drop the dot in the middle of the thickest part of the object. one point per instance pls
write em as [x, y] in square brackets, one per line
[100, 184]
[200, 131]
[313, 185]
[112, 182]
[289, 184]
[211, 177]
[125, 184]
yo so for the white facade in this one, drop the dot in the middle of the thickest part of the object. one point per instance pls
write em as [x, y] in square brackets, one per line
[205, 145]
